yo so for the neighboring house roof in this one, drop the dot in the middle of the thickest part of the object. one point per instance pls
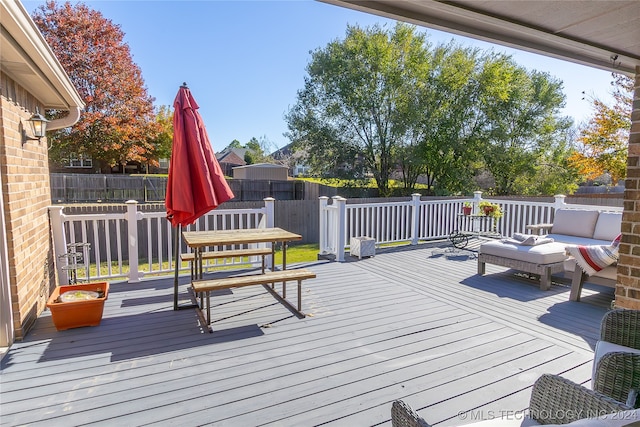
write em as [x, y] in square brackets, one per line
[282, 152]
[231, 158]
[28, 60]
[601, 34]
[240, 152]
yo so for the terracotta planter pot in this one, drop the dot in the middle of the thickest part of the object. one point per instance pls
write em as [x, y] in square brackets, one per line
[466, 210]
[75, 314]
[488, 210]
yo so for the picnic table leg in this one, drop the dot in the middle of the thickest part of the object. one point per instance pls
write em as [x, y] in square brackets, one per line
[299, 295]
[208, 308]
[273, 261]
[284, 262]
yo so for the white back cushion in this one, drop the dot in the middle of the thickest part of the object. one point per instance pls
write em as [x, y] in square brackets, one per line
[608, 225]
[575, 222]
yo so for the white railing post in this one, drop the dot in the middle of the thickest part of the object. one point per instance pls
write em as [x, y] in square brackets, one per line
[477, 198]
[132, 239]
[559, 202]
[269, 204]
[341, 226]
[59, 242]
[415, 220]
[323, 225]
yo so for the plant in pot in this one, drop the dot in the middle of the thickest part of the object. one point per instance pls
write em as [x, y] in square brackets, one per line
[467, 208]
[74, 306]
[492, 210]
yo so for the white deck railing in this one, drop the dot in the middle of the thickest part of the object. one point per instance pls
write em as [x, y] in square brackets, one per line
[122, 242]
[148, 236]
[416, 220]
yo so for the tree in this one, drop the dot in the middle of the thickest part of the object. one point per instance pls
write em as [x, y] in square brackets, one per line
[448, 119]
[603, 141]
[356, 99]
[523, 125]
[162, 143]
[445, 113]
[117, 124]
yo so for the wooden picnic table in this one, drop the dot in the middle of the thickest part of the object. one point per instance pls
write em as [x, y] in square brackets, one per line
[198, 240]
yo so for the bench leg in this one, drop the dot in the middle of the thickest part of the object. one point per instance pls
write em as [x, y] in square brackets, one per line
[284, 289]
[545, 279]
[299, 295]
[481, 268]
[263, 263]
[577, 282]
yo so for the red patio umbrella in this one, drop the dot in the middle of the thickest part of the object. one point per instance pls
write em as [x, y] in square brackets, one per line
[196, 183]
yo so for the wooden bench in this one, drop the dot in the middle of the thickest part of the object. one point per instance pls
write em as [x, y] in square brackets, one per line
[206, 286]
[233, 253]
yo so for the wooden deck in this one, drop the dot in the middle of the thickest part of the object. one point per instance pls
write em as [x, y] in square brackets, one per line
[415, 323]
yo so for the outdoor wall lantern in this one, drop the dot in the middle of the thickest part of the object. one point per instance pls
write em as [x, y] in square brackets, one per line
[38, 127]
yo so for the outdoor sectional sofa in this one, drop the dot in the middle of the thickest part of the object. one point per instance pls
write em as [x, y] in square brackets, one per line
[570, 227]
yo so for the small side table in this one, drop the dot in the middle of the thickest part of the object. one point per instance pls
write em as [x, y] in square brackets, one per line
[362, 246]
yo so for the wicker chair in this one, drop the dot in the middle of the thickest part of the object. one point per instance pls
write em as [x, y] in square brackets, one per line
[617, 374]
[621, 327]
[554, 400]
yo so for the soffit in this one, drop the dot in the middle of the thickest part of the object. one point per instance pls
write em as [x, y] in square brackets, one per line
[600, 33]
[27, 59]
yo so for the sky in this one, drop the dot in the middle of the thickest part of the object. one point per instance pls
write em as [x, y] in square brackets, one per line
[245, 61]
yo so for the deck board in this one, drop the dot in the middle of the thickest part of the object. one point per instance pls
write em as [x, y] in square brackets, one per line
[415, 323]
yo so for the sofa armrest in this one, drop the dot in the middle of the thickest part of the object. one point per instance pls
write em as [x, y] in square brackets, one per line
[556, 400]
[540, 229]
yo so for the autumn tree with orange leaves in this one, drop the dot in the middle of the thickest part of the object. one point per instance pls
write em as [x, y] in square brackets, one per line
[118, 124]
[603, 141]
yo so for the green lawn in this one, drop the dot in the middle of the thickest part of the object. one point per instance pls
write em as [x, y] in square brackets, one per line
[295, 253]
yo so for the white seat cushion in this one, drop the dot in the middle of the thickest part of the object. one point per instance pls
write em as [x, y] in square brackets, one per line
[575, 240]
[610, 272]
[547, 253]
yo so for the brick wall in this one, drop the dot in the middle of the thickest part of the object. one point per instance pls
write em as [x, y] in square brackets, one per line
[628, 287]
[26, 196]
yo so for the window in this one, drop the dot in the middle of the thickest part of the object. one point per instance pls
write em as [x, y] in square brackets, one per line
[79, 161]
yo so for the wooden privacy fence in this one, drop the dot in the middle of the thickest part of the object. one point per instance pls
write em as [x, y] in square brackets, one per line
[85, 188]
[92, 188]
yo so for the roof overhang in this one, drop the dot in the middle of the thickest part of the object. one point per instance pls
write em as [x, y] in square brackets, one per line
[28, 60]
[603, 34]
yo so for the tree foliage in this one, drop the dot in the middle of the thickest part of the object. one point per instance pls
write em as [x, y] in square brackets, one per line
[256, 150]
[356, 99]
[386, 101]
[603, 141]
[118, 123]
[163, 140]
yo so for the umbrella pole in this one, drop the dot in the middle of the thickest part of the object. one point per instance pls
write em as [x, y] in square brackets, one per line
[176, 259]
[175, 277]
